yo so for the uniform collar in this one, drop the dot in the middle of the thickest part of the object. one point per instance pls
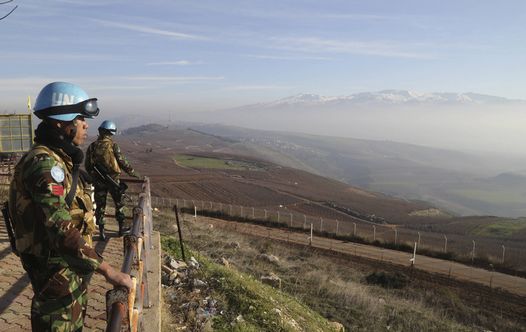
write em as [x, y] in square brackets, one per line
[61, 153]
[104, 138]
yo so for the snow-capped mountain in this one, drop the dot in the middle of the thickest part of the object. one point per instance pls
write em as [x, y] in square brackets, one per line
[389, 97]
[446, 120]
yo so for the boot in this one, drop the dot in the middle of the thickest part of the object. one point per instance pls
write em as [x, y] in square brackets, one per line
[123, 230]
[101, 233]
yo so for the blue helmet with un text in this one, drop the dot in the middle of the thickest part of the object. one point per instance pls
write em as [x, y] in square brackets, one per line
[109, 126]
[64, 101]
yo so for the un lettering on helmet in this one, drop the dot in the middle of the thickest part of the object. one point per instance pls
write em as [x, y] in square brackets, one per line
[60, 99]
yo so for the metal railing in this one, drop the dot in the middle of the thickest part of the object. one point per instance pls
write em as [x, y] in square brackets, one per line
[123, 307]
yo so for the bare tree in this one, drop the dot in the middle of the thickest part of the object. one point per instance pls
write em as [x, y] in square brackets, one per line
[9, 13]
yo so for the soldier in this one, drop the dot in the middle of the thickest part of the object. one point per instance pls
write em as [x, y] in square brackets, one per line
[51, 212]
[104, 162]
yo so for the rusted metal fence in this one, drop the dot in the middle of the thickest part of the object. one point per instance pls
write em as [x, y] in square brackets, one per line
[123, 307]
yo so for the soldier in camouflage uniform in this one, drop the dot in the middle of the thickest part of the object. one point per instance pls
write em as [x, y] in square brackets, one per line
[52, 213]
[107, 157]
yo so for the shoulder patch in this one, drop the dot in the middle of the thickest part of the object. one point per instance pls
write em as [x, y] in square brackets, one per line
[57, 173]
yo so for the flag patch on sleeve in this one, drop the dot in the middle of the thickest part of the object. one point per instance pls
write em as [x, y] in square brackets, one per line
[57, 189]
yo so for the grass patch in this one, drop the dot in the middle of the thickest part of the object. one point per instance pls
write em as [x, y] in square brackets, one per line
[261, 307]
[504, 228]
[215, 163]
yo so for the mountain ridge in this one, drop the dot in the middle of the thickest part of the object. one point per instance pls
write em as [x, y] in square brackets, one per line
[391, 96]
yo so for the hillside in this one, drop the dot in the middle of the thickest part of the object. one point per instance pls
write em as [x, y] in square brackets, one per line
[260, 184]
[192, 164]
[463, 183]
[223, 298]
[362, 295]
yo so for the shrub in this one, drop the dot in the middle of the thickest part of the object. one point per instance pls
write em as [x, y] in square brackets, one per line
[387, 279]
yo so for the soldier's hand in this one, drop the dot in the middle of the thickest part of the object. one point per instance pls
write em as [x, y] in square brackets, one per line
[114, 277]
[120, 279]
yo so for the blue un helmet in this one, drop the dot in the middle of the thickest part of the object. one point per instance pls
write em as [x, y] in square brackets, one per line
[109, 126]
[64, 102]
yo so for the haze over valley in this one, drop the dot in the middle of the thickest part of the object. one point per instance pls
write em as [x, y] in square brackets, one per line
[467, 122]
[462, 152]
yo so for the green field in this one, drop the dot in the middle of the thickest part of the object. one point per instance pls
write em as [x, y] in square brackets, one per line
[214, 163]
[504, 228]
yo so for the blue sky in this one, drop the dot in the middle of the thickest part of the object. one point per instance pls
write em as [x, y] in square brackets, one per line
[205, 55]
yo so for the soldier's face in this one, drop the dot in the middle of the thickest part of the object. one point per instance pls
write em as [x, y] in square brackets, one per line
[81, 132]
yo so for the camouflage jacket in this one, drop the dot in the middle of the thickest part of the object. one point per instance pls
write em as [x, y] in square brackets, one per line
[48, 232]
[106, 153]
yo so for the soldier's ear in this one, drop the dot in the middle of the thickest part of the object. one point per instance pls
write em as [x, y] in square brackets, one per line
[54, 123]
[57, 124]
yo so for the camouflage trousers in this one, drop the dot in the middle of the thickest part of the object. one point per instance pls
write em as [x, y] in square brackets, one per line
[60, 305]
[101, 192]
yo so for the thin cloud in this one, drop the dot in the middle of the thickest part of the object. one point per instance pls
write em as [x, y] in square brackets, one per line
[174, 78]
[175, 63]
[319, 45]
[150, 30]
[287, 57]
[52, 57]
[285, 12]
[257, 87]
[32, 85]
[91, 3]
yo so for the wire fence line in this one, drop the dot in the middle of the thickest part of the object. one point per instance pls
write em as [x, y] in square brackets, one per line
[475, 250]
[448, 270]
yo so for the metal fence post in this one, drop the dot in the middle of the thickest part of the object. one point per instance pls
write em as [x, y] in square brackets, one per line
[311, 232]
[412, 260]
[473, 253]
